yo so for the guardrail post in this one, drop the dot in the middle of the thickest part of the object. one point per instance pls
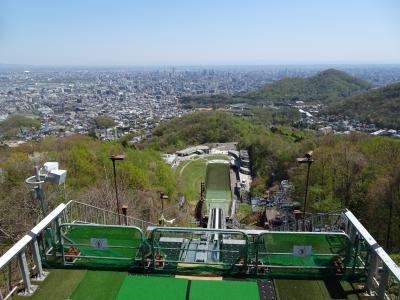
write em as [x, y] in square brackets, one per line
[383, 283]
[23, 266]
[346, 226]
[373, 264]
[41, 275]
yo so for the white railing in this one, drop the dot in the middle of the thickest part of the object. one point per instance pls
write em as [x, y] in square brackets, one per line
[383, 274]
[24, 258]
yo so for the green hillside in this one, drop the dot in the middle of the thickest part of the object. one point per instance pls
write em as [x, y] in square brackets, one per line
[323, 87]
[197, 128]
[140, 177]
[381, 107]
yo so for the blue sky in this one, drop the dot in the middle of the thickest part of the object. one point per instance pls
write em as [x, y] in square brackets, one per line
[199, 32]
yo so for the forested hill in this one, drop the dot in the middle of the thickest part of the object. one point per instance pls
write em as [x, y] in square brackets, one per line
[197, 128]
[381, 107]
[323, 87]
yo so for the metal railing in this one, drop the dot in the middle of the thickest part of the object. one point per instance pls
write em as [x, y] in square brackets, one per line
[328, 222]
[383, 274]
[76, 211]
[24, 259]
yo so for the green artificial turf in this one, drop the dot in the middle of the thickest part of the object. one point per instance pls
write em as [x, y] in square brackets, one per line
[99, 285]
[314, 289]
[218, 290]
[58, 285]
[145, 288]
[191, 173]
[218, 177]
[218, 186]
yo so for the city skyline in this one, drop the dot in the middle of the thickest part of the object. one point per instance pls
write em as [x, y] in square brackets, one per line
[156, 33]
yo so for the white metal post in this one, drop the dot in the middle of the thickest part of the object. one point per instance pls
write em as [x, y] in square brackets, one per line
[23, 266]
[41, 275]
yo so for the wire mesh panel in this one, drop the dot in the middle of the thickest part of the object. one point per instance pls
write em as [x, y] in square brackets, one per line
[296, 253]
[100, 245]
[195, 251]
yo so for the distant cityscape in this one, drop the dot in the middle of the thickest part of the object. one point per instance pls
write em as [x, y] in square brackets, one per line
[67, 100]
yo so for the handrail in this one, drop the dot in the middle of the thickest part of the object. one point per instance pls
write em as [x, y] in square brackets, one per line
[104, 226]
[361, 229]
[389, 263]
[48, 219]
[309, 219]
[24, 241]
[108, 211]
[15, 250]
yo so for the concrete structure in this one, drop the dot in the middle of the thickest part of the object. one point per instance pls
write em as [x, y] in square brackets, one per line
[201, 149]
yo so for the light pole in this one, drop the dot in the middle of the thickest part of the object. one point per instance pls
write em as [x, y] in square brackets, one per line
[307, 159]
[124, 212]
[162, 197]
[113, 159]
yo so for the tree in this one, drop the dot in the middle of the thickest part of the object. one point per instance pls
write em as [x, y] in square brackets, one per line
[104, 122]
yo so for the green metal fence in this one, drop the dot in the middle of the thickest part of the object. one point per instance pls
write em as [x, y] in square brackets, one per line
[100, 245]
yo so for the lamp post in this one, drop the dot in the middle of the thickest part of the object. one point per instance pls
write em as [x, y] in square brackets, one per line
[162, 197]
[113, 159]
[307, 159]
[124, 212]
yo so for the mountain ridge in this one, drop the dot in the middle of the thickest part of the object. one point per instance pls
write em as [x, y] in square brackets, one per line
[323, 87]
[380, 106]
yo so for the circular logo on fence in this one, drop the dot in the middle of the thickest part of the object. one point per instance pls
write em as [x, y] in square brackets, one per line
[99, 243]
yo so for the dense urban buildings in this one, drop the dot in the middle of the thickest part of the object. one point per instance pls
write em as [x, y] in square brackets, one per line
[67, 101]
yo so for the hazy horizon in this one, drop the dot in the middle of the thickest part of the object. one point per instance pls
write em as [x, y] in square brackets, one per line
[203, 33]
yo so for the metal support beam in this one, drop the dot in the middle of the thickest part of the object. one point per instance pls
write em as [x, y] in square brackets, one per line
[23, 266]
[41, 275]
[373, 267]
[383, 283]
